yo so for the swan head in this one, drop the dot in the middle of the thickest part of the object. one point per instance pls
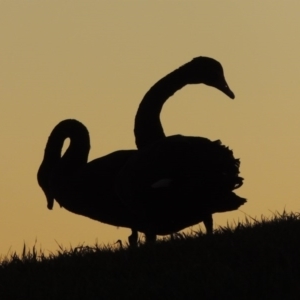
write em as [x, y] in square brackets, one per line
[43, 181]
[46, 190]
[208, 71]
[50, 201]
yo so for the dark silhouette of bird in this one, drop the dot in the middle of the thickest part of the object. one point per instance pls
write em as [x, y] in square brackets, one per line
[178, 181]
[82, 187]
[89, 188]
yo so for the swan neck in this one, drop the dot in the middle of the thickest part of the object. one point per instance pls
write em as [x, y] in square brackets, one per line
[77, 152]
[79, 145]
[148, 127]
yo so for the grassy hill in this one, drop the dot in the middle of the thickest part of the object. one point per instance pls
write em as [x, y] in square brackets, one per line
[255, 260]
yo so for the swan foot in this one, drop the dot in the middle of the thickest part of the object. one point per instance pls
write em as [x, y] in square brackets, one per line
[133, 238]
[208, 223]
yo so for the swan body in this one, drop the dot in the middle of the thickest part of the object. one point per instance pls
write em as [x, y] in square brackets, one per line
[182, 180]
[179, 187]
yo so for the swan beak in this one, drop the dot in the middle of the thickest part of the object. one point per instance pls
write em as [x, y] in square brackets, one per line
[50, 202]
[223, 86]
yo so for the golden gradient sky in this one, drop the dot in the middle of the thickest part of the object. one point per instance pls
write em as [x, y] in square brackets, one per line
[94, 61]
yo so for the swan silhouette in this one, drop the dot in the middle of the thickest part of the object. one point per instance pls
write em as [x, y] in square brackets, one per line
[181, 180]
[82, 187]
[89, 189]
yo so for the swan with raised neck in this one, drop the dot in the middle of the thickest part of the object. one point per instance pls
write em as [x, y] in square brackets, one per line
[163, 170]
[148, 127]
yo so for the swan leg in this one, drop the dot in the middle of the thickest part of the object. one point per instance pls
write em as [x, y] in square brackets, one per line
[208, 223]
[150, 238]
[133, 238]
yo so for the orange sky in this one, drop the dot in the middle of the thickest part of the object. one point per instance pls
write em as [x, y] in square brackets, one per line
[94, 61]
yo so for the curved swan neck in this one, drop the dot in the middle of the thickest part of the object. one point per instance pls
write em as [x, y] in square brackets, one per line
[76, 154]
[79, 147]
[147, 127]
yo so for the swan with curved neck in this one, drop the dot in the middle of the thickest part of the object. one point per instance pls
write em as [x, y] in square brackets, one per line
[187, 178]
[82, 187]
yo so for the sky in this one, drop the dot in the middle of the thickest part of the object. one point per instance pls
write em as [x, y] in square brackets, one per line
[94, 60]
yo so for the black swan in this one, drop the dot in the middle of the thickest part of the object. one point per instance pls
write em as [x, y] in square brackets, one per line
[181, 180]
[89, 188]
[83, 188]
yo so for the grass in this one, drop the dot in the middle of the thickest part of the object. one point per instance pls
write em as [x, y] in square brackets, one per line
[254, 260]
